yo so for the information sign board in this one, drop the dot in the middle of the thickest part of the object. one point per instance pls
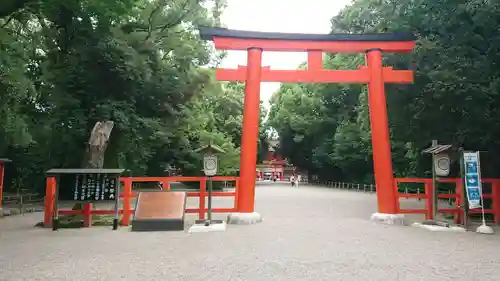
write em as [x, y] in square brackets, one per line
[472, 179]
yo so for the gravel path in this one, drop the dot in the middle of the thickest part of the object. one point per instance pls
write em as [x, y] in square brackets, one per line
[307, 234]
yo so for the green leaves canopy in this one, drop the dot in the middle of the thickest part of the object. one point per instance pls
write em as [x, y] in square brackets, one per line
[65, 65]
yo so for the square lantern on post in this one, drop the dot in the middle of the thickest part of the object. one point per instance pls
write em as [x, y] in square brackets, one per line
[440, 168]
[210, 158]
[210, 167]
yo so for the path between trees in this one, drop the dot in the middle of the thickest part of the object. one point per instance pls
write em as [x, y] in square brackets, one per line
[310, 233]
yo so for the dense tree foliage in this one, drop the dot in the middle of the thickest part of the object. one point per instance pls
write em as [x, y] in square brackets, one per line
[455, 98]
[65, 65]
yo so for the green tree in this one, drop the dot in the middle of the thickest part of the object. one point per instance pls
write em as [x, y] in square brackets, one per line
[454, 98]
[65, 65]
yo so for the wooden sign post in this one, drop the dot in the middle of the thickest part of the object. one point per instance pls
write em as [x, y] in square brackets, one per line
[86, 185]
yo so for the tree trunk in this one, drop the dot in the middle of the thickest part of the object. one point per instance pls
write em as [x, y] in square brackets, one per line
[96, 147]
[98, 142]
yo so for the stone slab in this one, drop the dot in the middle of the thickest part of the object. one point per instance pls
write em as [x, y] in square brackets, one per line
[159, 211]
[388, 218]
[439, 228]
[244, 218]
[202, 228]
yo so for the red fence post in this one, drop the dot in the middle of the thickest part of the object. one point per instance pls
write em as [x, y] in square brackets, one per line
[236, 188]
[495, 201]
[459, 201]
[50, 195]
[203, 188]
[127, 194]
[87, 214]
[2, 174]
[429, 201]
[396, 188]
[166, 184]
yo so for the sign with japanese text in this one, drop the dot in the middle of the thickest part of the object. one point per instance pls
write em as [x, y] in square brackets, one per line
[472, 179]
[90, 187]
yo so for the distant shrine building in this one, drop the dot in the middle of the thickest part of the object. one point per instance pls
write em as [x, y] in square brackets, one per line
[274, 166]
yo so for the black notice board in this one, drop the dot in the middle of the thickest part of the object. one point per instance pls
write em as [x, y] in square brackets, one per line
[87, 184]
[92, 187]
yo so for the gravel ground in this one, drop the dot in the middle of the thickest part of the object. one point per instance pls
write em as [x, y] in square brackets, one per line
[307, 234]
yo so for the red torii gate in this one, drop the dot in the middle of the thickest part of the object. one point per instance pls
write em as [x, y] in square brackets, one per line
[374, 74]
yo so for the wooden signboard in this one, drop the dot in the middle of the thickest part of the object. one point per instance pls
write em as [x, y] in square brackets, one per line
[86, 185]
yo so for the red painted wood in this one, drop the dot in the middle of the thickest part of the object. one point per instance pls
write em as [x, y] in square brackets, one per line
[224, 43]
[361, 75]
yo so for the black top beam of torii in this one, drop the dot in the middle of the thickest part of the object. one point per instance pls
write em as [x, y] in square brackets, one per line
[208, 33]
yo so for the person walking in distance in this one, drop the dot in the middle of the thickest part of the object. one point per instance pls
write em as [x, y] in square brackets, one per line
[299, 177]
[292, 180]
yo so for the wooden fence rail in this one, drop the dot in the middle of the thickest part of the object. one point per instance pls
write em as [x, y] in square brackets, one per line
[126, 211]
[455, 195]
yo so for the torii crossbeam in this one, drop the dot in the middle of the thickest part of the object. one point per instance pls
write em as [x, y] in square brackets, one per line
[373, 74]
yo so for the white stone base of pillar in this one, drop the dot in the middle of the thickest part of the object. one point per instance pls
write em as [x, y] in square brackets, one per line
[388, 218]
[244, 218]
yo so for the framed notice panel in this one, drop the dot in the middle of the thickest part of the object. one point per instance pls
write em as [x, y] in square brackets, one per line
[86, 185]
[93, 187]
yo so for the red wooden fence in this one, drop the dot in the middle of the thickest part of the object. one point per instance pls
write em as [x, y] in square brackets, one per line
[458, 196]
[127, 196]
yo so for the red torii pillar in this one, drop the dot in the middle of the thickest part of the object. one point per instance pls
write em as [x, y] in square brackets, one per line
[373, 74]
[381, 143]
[248, 158]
